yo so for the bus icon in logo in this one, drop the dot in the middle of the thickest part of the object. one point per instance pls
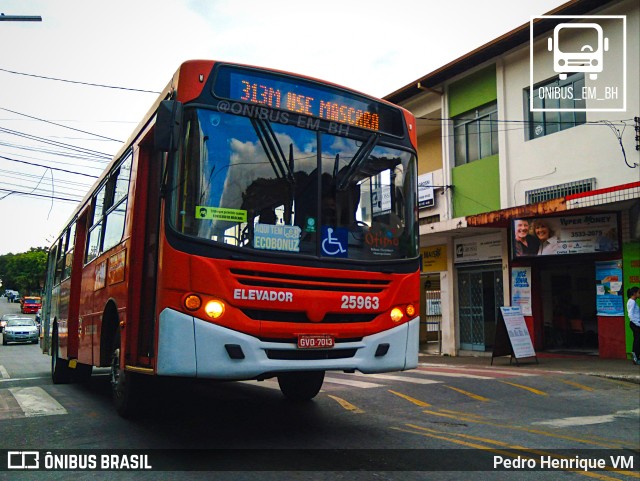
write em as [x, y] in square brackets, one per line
[578, 47]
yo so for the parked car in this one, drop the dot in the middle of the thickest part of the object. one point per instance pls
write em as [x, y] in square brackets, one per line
[20, 329]
[30, 304]
[5, 318]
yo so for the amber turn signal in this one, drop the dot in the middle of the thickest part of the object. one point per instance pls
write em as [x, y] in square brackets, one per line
[192, 302]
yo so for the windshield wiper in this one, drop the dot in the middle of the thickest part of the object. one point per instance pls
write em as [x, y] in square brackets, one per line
[282, 167]
[362, 153]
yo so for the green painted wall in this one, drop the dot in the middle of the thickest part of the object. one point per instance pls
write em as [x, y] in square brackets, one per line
[476, 187]
[476, 184]
[472, 91]
[630, 278]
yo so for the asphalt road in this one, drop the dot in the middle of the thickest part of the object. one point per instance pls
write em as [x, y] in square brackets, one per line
[434, 422]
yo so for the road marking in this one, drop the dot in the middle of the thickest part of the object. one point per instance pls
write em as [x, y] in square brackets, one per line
[470, 394]
[391, 377]
[35, 401]
[415, 401]
[16, 379]
[450, 374]
[268, 383]
[351, 382]
[489, 371]
[3, 373]
[346, 404]
[575, 384]
[588, 420]
[605, 443]
[527, 388]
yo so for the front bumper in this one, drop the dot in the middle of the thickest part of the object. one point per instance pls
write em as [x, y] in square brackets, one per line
[191, 347]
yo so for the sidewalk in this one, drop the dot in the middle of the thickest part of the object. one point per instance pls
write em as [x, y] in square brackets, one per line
[620, 369]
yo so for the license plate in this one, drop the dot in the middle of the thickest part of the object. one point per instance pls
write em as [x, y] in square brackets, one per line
[315, 341]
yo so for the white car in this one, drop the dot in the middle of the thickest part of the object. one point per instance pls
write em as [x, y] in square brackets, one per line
[20, 329]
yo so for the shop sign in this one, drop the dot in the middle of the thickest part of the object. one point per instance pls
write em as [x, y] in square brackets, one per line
[479, 248]
[425, 190]
[434, 258]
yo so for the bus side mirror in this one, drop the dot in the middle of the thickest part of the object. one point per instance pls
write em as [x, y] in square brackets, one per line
[168, 124]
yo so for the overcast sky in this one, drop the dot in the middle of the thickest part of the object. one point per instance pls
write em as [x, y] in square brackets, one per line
[368, 45]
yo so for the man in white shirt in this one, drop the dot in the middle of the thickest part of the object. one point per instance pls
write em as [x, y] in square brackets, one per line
[634, 321]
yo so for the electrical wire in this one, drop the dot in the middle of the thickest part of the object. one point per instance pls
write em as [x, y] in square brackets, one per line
[79, 82]
[48, 167]
[61, 125]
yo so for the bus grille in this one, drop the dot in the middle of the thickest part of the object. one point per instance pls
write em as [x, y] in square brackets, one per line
[310, 355]
[301, 317]
[310, 283]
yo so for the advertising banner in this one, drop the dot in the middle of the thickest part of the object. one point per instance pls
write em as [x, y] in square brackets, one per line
[578, 234]
[521, 289]
[609, 295]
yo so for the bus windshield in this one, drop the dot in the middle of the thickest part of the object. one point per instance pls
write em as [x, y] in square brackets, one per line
[278, 188]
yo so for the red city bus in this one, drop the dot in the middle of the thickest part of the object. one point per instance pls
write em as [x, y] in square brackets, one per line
[256, 224]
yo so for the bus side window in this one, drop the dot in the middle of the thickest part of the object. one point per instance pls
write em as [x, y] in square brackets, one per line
[60, 260]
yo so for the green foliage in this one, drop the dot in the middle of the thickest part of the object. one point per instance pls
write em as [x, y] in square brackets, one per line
[24, 272]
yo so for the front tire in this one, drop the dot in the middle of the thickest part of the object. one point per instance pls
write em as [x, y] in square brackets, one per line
[301, 386]
[125, 386]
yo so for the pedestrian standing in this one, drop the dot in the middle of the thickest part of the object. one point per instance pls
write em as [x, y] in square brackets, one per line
[634, 321]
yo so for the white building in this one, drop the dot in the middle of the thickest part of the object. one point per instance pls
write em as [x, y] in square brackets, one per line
[568, 158]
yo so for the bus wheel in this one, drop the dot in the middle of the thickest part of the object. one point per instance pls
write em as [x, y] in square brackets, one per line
[60, 372]
[300, 386]
[124, 385]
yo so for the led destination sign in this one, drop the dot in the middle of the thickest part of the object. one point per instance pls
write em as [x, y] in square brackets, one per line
[307, 98]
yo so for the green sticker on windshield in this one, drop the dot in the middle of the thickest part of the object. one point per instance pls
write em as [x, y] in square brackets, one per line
[219, 213]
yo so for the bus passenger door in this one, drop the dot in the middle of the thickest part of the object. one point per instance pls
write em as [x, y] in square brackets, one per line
[82, 335]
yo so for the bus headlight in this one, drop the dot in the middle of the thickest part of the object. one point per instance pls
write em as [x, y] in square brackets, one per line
[214, 309]
[396, 314]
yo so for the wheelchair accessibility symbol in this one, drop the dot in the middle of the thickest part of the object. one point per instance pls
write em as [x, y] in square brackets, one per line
[334, 241]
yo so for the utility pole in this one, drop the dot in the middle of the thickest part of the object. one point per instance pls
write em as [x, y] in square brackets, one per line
[20, 18]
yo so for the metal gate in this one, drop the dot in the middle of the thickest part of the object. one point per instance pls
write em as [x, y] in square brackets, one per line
[433, 318]
[480, 295]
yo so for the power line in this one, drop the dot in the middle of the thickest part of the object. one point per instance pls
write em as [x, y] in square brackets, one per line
[79, 82]
[47, 167]
[93, 153]
[60, 125]
[54, 197]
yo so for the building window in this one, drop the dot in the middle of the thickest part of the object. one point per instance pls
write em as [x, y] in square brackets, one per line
[561, 190]
[555, 94]
[476, 134]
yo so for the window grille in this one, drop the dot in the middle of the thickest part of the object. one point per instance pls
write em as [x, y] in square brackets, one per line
[561, 190]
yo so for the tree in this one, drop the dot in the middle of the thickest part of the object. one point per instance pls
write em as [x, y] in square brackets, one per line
[24, 272]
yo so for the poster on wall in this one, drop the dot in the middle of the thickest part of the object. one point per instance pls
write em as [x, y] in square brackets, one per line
[576, 234]
[521, 289]
[609, 295]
